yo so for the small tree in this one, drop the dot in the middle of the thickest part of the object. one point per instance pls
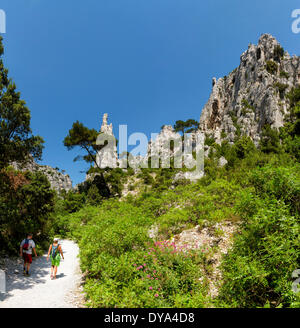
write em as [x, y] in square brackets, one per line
[188, 126]
[85, 139]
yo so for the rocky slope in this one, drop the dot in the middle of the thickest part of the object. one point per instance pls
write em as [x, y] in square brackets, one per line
[58, 180]
[252, 95]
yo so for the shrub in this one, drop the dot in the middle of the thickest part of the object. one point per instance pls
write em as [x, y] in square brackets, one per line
[258, 269]
[271, 67]
[246, 105]
[278, 53]
[284, 74]
[281, 88]
[270, 142]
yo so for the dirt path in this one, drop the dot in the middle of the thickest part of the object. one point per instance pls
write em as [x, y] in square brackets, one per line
[38, 290]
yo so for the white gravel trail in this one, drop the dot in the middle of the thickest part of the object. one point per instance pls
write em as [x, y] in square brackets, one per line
[38, 290]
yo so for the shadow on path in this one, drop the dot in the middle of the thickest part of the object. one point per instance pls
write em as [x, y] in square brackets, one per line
[39, 273]
[38, 290]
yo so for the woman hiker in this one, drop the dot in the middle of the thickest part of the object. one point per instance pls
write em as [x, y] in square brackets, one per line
[55, 251]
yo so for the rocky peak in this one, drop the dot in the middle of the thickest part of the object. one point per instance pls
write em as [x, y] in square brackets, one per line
[106, 128]
[252, 95]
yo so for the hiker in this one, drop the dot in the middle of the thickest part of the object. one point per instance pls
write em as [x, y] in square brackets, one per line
[55, 251]
[26, 247]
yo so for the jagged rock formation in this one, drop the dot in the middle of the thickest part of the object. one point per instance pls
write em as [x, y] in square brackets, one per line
[252, 95]
[168, 144]
[161, 145]
[107, 156]
[58, 180]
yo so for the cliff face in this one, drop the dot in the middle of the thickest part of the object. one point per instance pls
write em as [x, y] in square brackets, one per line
[58, 180]
[252, 95]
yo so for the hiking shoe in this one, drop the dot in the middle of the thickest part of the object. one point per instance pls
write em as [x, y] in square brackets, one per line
[27, 274]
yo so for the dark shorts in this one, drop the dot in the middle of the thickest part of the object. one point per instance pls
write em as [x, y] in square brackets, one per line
[27, 258]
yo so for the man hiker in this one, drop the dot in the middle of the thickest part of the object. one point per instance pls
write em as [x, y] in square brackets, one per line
[26, 247]
[55, 251]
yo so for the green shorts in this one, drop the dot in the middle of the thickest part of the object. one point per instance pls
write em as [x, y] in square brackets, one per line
[55, 261]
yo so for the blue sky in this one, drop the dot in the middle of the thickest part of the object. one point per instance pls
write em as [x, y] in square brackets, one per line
[144, 62]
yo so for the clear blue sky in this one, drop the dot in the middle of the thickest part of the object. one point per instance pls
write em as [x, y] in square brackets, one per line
[145, 62]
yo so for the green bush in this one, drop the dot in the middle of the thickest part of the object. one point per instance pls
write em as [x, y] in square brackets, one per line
[270, 141]
[271, 67]
[284, 74]
[278, 53]
[257, 271]
[281, 88]
[117, 260]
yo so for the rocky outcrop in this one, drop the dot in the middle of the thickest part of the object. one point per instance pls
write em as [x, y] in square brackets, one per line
[166, 145]
[252, 95]
[107, 156]
[218, 237]
[58, 180]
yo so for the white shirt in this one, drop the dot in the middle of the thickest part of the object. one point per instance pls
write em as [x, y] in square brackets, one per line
[31, 246]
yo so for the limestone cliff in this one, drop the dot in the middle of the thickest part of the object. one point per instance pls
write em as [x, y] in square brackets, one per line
[252, 95]
[58, 180]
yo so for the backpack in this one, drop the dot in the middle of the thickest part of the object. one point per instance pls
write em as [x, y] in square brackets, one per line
[26, 245]
[54, 251]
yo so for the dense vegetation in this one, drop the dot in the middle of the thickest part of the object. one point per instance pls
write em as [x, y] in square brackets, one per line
[26, 205]
[258, 191]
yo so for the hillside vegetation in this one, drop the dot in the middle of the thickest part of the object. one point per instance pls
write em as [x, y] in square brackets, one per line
[258, 191]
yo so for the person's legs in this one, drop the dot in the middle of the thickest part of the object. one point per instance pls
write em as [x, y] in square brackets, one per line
[28, 261]
[55, 271]
[25, 266]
